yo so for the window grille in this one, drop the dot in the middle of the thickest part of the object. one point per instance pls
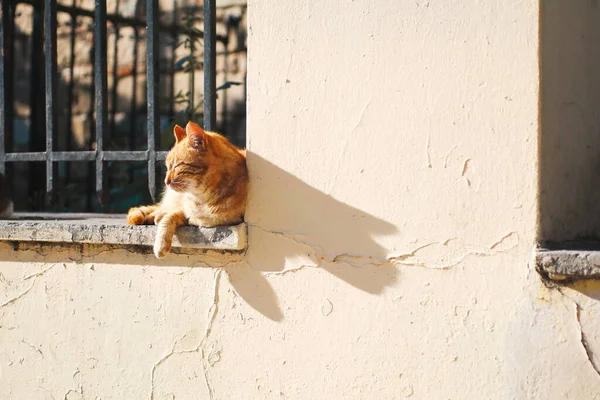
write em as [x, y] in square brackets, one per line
[44, 74]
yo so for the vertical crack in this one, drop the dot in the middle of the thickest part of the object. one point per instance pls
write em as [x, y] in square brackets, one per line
[584, 341]
[213, 310]
[162, 360]
[212, 318]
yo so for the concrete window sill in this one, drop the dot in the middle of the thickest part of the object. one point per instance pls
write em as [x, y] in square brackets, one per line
[569, 261]
[112, 229]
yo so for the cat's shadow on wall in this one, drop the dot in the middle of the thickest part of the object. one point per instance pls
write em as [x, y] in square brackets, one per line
[292, 224]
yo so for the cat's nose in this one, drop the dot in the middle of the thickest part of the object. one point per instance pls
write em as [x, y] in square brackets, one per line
[167, 181]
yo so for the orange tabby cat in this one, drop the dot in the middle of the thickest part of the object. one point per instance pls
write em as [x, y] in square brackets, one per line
[206, 185]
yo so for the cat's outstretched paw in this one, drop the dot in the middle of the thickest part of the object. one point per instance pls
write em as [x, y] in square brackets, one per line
[161, 249]
[162, 243]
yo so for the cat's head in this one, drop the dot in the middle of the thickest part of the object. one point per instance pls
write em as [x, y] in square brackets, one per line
[189, 159]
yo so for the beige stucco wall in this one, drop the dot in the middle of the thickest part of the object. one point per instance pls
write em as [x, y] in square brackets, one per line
[394, 164]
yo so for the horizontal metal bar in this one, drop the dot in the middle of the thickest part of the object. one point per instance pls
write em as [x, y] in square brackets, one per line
[54, 156]
[73, 156]
[19, 157]
[125, 156]
[132, 155]
[85, 156]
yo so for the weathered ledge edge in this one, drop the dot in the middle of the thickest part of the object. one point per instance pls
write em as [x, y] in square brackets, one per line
[112, 229]
[568, 265]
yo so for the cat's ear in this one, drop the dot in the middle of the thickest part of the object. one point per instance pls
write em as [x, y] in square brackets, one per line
[196, 136]
[179, 133]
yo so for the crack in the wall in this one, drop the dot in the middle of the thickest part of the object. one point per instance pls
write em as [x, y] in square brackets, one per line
[582, 336]
[25, 278]
[448, 155]
[3, 280]
[36, 349]
[40, 273]
[584, 341]
[428, 152]
[289, 270]
[187, 270]
[17, 297]
[213, 310]
[464, 171]
[295, 237]
[410, 258]
[494, 245]
[468, 173]
[79, 392]
[162, 360]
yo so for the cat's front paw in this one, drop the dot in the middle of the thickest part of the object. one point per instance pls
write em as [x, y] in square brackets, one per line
[162, 243]
[161, 249]
[135, 216]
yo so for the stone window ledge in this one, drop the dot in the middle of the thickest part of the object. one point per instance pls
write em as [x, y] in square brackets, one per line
[113, 229]
[569, 261]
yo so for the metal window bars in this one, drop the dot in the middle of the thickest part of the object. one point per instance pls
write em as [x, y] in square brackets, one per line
[100, 98]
